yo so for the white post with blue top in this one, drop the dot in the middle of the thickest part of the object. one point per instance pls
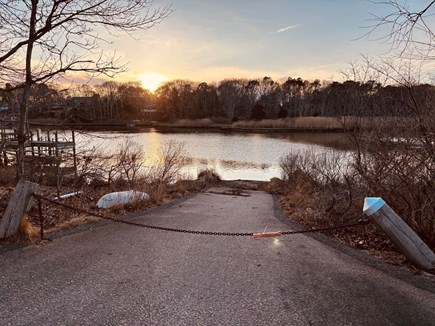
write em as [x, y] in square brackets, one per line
[399, 232]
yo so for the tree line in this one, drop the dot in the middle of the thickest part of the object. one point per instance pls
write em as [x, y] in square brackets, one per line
[229, 99]
[107, 101]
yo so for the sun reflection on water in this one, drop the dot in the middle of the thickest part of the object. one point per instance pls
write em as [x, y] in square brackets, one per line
[233, 156]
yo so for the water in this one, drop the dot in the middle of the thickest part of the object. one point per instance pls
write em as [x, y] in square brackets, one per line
[232, 155]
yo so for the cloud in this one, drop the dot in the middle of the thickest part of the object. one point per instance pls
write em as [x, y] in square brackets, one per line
[217, 73]
[287, 28]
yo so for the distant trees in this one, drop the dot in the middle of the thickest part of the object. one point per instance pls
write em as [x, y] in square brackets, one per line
[43, 97]
[206, 100]
[231, 99]
[230, 92]
[109, 98]
[132, 99]
[175, 99]
[107, 101]
[293, 91]
[269, 96]
[181, 99]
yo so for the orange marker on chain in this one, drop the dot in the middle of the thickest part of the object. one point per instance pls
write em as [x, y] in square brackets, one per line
[267, 235]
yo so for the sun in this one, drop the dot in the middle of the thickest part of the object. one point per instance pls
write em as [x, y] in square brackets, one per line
[152, 80]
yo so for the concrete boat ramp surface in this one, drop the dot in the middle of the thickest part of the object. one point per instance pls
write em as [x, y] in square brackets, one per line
[117, 274]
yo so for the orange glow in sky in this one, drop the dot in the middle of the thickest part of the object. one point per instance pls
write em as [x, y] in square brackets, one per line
[224, 39]
[152, 80]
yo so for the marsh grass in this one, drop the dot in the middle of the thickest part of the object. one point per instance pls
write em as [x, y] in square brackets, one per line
[326, 123]
[344, 123]
[193, 123]
[291, 123]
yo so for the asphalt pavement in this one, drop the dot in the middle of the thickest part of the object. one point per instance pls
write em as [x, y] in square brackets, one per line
[118, 274]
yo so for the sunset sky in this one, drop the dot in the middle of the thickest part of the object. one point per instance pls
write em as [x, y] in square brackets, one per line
[212, 40]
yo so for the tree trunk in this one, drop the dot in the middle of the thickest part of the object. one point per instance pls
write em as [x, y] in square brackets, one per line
[21, 130]
[21, 135]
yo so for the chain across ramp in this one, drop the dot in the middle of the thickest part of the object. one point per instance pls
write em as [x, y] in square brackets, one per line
[40, 198]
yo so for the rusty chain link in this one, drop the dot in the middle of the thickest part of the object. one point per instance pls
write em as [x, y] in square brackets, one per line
[154, 227]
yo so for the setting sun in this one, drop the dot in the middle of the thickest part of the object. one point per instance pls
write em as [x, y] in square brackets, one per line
[151, 81]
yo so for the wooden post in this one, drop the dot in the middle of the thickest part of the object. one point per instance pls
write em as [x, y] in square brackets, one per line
[48, 142]
[18, 206]
[38, 139]
[400, 233]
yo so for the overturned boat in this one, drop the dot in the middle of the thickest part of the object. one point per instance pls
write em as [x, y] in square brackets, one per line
[121, 198]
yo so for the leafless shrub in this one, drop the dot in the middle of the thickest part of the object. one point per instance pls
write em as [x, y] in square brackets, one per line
[96, 168]
[209, 176]
[328, 174]
[324, 168]
[130, 161]
[170, 162]
[290, 165]
[331, 167]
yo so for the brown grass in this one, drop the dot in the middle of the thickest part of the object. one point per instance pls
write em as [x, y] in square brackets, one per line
[73, 222]
[291, 123]
[324, 123]
[7, 175]
[193, 123]
[27, 231]
[301, 123]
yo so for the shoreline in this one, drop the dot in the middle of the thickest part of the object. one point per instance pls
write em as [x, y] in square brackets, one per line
[140, 127]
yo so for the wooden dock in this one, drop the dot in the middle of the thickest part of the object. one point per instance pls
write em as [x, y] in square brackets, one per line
[43, 148]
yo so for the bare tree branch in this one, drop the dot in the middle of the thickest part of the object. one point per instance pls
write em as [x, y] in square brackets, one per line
[408, 30]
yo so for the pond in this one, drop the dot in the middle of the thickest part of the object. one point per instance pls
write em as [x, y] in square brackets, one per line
[246, 156]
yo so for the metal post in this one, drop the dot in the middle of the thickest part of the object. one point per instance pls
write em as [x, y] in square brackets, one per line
[41, 219]
[74, 153]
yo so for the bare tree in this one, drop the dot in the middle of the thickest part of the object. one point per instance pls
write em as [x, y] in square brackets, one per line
[42, 39]
[408, 27]
[230, 92]
[109, 94]
[176, 98]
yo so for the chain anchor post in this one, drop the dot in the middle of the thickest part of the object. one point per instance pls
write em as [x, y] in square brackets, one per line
[41, 218]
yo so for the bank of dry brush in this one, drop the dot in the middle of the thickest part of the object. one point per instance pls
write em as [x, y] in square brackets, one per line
[399, 165]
